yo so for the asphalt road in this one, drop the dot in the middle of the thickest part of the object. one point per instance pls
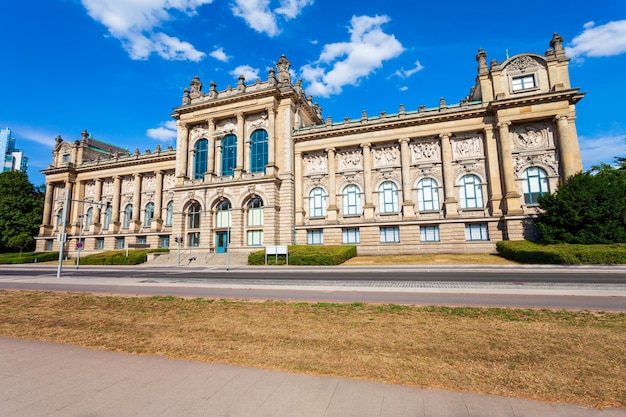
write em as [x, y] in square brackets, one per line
[592, 288]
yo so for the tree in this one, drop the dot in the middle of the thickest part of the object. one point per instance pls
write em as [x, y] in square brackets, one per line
[590, 207]
[21, 207]
[21, 241]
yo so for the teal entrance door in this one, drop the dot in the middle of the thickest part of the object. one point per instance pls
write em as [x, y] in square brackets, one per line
[221, 242]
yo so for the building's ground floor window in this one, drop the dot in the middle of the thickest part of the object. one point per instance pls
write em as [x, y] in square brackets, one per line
[315, 237]
[476, 231]
[141, 240]
[120, 243]
[351, 236]
[193, 239]
[100, 243]
[429, 233]
[164, 241]
[390, 234]
[254, 237]
[49, 245]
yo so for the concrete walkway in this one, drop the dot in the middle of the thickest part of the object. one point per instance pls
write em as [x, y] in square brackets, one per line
[40, 379]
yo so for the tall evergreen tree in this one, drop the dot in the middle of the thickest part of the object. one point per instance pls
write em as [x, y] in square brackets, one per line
[589, 208]
[21, 207]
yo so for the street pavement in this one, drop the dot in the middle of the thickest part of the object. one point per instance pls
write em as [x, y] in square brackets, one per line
[42, 379]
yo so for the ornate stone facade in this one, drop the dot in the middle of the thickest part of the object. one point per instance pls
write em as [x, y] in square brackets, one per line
[259, 165]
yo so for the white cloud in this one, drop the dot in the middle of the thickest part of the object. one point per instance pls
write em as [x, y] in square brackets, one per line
[597, 41]
[133, 23]
[220, 55]
[602, 149]
[368, 48]
[247, 71]
[402, 73]
[257, 15]
[292, 8]
[165, 132]
[404, 88]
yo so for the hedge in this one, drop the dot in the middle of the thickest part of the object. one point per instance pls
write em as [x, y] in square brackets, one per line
[307, 255]
[524, 251]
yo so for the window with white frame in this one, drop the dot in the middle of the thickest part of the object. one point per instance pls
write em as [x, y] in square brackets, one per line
[351, 200]
[128, 215]
[317, 202]
[476, 231]
[471, 192]
[428, 195]
[429, 233]
[100, 243]
[164, 241]
[169, 213]
[147, 220]
[524, 82]
[315, 237]
[120, 243]
[535, 184]
[142, 240]
[193, 216]
[390, 234]
[388, 198]
[255, 212]
[49, 245]
[351, 236]
[222, 219]
[254, 237]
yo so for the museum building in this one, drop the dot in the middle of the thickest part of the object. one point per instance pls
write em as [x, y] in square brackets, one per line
[257, 165]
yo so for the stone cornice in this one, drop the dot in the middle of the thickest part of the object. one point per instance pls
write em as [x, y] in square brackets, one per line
[573, 96]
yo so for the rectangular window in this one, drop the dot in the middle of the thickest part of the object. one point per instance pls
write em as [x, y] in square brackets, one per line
[66, 158]
[254, 237]
[351, 236]
[193, 239]
[390, 234]
[476, 231]
[141, 240]
[429, 233]
[164, 241]
[49, 245]
[523, 83]
[315, 237]
[99, 243]
[120, 243]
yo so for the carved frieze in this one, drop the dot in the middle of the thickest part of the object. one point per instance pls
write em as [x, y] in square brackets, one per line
[258, 121]
[424, 151]
[127, 185]
[530, 137]
[198, 131]
[315, 163]
[386, 156]
[521, 63]
[228, 127]
[149, 182]
[467, 147]
[90, 189]
[545, 160]
[169, 181]
[470, 167]
[350, 160]
[107, 188]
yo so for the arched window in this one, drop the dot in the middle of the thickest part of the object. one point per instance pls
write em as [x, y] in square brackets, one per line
[200, 155]
[255, 212]
[222, 219]
[229, 154]
[388, 197]
[351, 200]
[147, 221]
[108, 213]
[471, 192]
[535, 184]
[128, 215]
[169, 213]
[427, 195]
[317, 202]
[89, 218]
[258, 151]
[193, 216]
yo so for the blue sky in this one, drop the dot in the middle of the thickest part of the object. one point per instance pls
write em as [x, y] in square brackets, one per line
[118, 67]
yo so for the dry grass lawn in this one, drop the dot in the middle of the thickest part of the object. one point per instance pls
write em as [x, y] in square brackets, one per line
[562, 356]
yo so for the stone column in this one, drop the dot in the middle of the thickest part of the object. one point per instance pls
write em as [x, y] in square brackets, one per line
[569, 150]
[78, 208]
[299, 198]
[408, 208]
[210, 169]
[368, 207]
[240, 145]
[493, 169]
[271, 168]
[47, 208]
[182, 154]
[332, 187]
[450, 201]
[511, 195]
[157, 222]
[218, 156]
[137, 199]
[97, 209]
[117, 196]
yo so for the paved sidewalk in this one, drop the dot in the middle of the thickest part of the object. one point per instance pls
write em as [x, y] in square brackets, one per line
[39, 379]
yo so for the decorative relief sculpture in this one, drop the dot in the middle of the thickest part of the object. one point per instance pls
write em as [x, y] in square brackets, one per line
[127, 185]
[424, 150]
[107, 188]
[521, 63]
[90, 189]
[465, 148]
[529, 137]
[350, 160]
[229, 128]
[149, 182]
[199, 132]
[315, 163]
[389, 155]
[169, 181]
[548, 159]
[259, 122]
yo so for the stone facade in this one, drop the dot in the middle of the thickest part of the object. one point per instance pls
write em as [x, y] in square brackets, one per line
[259, 165]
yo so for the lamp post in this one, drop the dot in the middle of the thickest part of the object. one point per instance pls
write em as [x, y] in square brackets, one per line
[79, 244]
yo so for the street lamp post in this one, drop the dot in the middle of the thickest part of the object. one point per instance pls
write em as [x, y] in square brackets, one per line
[79, 245]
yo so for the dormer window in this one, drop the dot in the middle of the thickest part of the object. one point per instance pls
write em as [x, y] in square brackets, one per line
[66, 158]
[525, 82]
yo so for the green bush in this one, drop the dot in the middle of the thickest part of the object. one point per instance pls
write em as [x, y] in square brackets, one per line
[524, 251]
[28, 257]
[119, 257]
[307, 255]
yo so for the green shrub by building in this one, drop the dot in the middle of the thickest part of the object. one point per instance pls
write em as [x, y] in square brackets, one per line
[306, 255]
[527, 252]
[28, 257]
[119, 257]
